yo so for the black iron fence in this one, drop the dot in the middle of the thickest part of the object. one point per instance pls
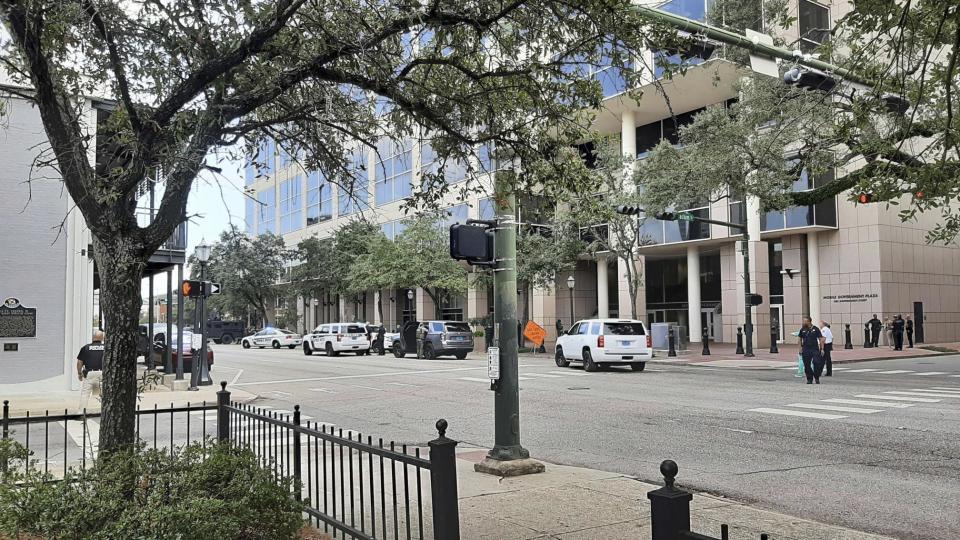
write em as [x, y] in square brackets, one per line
[353, 487]
[670, 510]
[58, 442]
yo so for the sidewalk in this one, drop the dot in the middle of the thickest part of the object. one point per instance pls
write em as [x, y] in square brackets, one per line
[577, 503]
[57, 402]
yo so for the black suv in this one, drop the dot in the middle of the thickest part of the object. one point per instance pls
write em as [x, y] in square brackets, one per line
[442, 338]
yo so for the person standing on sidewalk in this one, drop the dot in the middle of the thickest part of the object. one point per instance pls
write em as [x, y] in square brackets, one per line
[381, 331]
[909, 326]
[875, 326]
[811, 350]
[827, 347]
[888, 332]
[89, 368]
[898, 326]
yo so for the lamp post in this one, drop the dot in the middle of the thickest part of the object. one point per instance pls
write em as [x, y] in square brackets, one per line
[410, 304]
[200, 374]
[571, 283]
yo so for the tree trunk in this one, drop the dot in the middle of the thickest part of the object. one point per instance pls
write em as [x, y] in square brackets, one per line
[121, 271]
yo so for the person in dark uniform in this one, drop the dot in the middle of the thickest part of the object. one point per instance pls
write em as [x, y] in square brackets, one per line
[875, 326]
[898, 327]
[811, 350]
[379, 342]
[559, 327]
[89, 368]
[909, 328]
[421, 337]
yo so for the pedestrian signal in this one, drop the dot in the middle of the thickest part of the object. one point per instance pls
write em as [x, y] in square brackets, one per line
[191, 288]
[864, 198]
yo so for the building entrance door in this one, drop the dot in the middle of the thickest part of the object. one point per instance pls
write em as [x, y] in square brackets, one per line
[918, 322]
[707, 321]
[656, 315]
[776, 320]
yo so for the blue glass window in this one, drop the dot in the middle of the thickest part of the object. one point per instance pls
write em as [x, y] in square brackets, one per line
[456, 214]
[354, 191]
[454, 170]
[319, 198]
[250, 216]
[488, 210]
[268, 211]
[291, 205]
[394, 172]
[691, 9]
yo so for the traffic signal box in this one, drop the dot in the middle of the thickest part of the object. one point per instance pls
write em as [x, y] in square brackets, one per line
[191, 288]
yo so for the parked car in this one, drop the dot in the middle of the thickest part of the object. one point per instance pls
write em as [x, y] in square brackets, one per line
[335, 338]
[605, 342]
[442, 338]
[225, 332]
[190, 349]
[272, 337]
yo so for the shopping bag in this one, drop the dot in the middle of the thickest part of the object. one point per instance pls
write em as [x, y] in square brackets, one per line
[799, 366]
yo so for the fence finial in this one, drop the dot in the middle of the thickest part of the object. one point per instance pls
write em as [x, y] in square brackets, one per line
[669, 469]
[223, 385]
[442, 427]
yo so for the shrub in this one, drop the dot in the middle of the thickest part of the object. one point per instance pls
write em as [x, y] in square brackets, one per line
[217, 492]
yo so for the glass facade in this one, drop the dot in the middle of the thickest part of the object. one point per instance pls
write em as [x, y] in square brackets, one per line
[814, 21]
[666, 281]
[394, 172]
[250, 215]
[456, 214]
[488, 210]
[393, 229]
[823, 213]
[261, 164]
[354, 195]
[291, 204]
[454, 170]
[662, 59]
[319, 198]
[268, 211]
[650, 135]
[691, 9]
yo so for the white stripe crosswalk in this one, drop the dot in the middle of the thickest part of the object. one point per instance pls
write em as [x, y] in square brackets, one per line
[869, 403]
[895, 372]
[805, 414]
[928, 393]
[834, 408]
[898, 398]
[878, 371]
[840, 408]
[927, 373]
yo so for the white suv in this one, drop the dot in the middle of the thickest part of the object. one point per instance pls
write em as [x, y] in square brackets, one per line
[335, 338]
[605, 342]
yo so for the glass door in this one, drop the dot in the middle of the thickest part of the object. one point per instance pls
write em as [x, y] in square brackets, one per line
[776, 320]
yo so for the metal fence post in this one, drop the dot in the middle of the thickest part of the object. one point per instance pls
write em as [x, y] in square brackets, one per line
[443, 485]
[6, 430]
[669, 506]
[297, 465]
[223, 415]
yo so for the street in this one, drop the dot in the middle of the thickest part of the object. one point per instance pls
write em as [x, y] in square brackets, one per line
[873, 448]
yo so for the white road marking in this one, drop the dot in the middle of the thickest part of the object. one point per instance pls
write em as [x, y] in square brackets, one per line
[524, 378]
[927, 373]
[786, 412]
[404, 384]
[235, 377]
[898, 398]
[867, 370]
[950, 388]
[838, 368]
[833, 408]
[868, 403]
[569, 373]
[895, 371]
[474, 379]
[955, 375]
[368, 387]
[281, 393]
[922, 393]
[283, 411]
[370, 375]
[544, 375]
[327, 390]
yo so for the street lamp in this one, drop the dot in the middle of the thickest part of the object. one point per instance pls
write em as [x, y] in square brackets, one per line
[409, 303]
[199, 372]
[571, 283]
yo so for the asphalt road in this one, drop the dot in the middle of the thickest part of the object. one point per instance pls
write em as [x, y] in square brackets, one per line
[870, 450]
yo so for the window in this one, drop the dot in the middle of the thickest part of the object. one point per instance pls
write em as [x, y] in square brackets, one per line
[488, 209]
[393, 229]
[623, 329]
[393, 174]
[575, 329]
[436, 328]
[268, 211]
[823, 213]
[456, 214]
[583, 329]
[662, 59]
[650, 135]
[814, 22]
[262, 163]
[291, 205]
[454, 170]
[595, 329]
[319, 198]
[485, 153]
[354, 194]
[250, 215]
[691, 9]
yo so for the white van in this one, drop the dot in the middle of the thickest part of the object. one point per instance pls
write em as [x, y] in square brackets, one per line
[605, 342]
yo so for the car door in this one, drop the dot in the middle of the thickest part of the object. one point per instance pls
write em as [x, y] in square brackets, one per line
[581, 339]
[569, 342]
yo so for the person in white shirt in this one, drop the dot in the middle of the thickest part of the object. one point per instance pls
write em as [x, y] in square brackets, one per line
[827, 347]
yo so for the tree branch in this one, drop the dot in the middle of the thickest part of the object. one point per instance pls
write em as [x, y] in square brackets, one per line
[116, 63]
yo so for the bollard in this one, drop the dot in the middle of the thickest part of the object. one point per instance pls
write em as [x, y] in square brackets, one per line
[739, 341]
[774, 334]
[866, 337]
[669, 507]
[847, 340]
[672, 347]
[706, 343]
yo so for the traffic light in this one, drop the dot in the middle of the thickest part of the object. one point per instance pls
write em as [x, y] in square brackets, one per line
[865, 198]
[666, 216]
[191, 288]
[809, 79]
[629, 210]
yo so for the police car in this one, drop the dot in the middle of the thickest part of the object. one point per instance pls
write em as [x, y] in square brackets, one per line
[272, 337]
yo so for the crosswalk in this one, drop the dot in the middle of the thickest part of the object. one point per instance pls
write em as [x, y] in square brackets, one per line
[530, 376]
[879, 371]
[839, 408]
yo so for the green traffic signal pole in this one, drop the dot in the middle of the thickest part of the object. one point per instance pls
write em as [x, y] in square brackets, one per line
[738, 40]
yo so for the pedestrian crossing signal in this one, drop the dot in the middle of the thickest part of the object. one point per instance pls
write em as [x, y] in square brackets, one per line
[864, 198]
[191, 288]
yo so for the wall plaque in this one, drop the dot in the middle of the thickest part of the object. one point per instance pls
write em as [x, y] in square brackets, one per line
[16, 320]
[842, 298]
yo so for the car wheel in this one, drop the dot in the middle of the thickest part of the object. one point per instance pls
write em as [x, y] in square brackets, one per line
[397, 350]
[428, 352]
[292, 346]
[307, 351]
[588, 364]
[330, 351]
[245, 344]
[638, 366]
[461, 355]
[226, 339]
[275, 344]
[560, 359]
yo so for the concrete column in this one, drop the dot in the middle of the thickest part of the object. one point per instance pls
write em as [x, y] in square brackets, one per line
[376, 308]
[623, 289]
[341, 308]
[753, 218]
[693, 293]
[603, 299]
[813, 275]
[628, 134]
[425, 308]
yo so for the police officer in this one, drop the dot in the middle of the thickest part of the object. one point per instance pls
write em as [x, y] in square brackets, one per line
[909, 332]
[898, 327]
[89, 368]
[811, 350]
[875, 326]
[421, 337]
[379, 342]
[559, 327]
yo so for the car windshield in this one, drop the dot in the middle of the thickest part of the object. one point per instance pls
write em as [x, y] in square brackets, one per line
[355, 329]
[458, 327]
[623, 329]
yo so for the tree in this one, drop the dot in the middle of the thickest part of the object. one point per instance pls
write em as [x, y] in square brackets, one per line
[417, 263]
[248, 270]
[775, 133]
[606, 232]
[185, 77]
[377, 267]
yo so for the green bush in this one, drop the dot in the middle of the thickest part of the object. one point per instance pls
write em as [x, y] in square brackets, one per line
[217, 492]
